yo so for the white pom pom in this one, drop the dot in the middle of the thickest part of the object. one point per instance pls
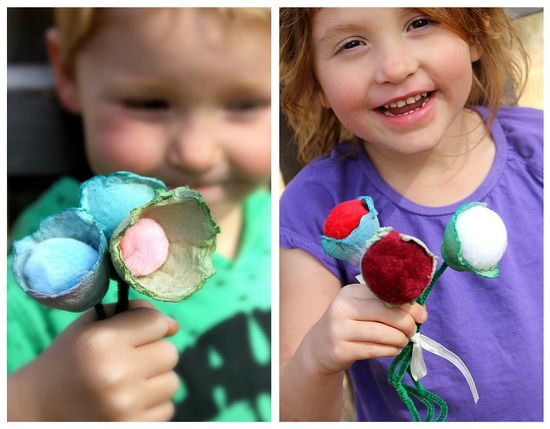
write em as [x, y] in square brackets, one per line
[483, 237]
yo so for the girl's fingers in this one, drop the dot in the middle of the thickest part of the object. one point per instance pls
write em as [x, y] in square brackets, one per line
[417, 311]
[156, 358]
[374, 332]
[373, 310]
[366, 350]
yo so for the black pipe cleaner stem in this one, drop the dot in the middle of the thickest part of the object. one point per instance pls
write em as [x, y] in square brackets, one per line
[123, 289]
[100, 311]
[122, 303]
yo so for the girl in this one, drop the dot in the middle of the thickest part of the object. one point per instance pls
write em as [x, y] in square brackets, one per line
[408, 106]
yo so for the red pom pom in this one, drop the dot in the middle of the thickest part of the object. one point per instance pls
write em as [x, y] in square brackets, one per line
[344, 218]
[397, 271]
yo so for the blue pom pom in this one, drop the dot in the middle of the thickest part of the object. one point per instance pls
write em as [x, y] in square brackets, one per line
[57, 264]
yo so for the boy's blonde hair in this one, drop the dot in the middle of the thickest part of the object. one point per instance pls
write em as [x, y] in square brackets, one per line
[499, 76]
[76, 25]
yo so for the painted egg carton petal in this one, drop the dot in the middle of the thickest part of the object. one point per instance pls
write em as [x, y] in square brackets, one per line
[352, 247]
[111, 198]
[185, 218]
[81, 292]
[475, 240]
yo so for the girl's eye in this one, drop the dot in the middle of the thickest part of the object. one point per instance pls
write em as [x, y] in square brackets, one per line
[419, 23]
[152, 104]
[350, 44]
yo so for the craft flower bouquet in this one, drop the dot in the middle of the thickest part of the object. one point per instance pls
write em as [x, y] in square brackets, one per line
[129, 228]
[399, 269]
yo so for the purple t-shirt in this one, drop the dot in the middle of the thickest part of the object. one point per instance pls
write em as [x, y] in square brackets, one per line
[494, 325]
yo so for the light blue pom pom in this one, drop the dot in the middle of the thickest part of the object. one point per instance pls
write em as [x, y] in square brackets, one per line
[57, 264]
[82, 277]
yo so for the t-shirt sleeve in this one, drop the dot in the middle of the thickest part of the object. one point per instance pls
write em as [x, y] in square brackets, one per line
[523, 127]
[28, 333]
[304, 206]
[61, 195]
[31, 327]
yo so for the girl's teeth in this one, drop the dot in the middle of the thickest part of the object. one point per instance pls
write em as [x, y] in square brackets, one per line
[401, 103]
[409, 100]
[387, 113]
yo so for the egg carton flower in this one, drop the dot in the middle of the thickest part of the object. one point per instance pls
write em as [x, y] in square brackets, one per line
[164, 248]
[348, 228]
[161, 242]
[397, 267]
[475, 240]
[65, 263]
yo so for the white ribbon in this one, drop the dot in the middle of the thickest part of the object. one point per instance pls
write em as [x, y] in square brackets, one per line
[418, 367]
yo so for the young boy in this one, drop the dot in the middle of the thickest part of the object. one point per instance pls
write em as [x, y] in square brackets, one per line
[182, 95]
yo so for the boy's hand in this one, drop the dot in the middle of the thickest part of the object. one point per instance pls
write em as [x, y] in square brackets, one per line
[115, 369]
[359, 326]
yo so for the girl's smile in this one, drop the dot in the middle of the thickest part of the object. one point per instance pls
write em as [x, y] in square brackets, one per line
[405, 105]
[414, 111]
[393, 77]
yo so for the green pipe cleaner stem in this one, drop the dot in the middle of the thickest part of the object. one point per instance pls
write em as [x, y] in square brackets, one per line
[423, 298]
[401, 364]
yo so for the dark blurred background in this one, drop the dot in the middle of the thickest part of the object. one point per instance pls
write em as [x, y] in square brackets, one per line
[44, 142]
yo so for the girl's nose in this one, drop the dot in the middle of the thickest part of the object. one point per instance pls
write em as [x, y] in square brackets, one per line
[395, 64]
[194, 147]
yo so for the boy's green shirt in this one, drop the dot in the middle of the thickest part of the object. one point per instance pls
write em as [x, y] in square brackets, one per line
[224, 336]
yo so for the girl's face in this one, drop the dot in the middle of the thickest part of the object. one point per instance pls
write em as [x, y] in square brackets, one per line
[393, 77]
[184, 97]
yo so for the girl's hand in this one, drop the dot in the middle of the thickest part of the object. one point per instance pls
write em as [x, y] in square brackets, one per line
[357, 326]
[119, 368]
[324, 328]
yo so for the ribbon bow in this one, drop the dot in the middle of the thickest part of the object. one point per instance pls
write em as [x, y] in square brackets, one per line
[418, 367]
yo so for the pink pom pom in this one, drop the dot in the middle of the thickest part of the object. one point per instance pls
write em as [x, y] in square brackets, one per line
[144, 247]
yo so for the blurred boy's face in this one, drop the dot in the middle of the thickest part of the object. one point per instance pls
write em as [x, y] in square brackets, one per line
[184, 97]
